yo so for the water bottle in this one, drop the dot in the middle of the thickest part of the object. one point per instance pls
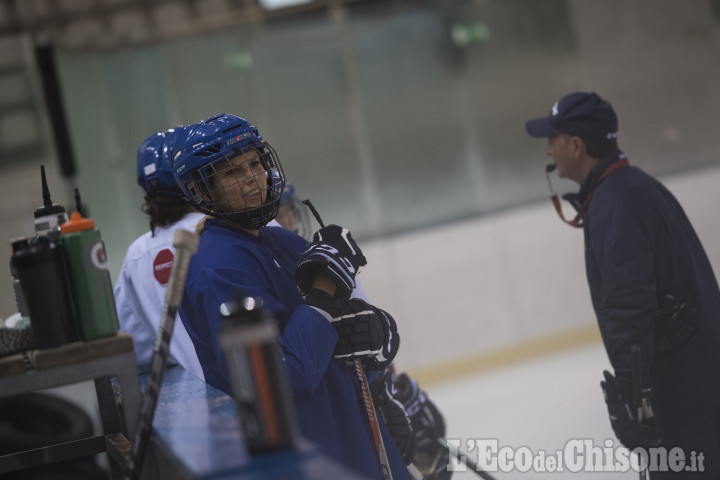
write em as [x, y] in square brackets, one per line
[90, 282]
[43, 279]
[257, 376]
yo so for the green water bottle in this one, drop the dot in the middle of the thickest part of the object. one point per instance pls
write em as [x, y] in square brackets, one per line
[90, 282]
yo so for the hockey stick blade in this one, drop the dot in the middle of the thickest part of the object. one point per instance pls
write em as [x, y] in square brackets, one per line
[186, 244]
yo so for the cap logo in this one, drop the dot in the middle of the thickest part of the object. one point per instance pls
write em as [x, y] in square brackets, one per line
[612, 135]
[555, 109]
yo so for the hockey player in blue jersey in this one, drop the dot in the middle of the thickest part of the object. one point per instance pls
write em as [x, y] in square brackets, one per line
[228, 171]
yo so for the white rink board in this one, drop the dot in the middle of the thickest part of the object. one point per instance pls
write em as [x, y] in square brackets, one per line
[464, 289]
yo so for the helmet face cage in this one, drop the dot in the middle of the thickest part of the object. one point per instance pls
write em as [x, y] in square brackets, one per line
[244, 186]
[226, 169]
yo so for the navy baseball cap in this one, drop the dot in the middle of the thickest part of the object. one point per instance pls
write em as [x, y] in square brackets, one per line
[579, 114]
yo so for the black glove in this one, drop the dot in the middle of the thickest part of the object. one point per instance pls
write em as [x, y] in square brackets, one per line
[333, 251]
[624, 416]
[427, 425]
[393, 414]
[365, 332]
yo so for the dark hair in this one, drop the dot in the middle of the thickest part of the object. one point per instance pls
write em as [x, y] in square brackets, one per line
[599, 150]
[164, 209]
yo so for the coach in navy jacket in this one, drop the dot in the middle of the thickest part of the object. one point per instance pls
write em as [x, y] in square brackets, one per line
[652, 288]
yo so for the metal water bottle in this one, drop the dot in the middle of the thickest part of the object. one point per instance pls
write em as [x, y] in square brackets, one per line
[258, 377]
[43, 279]
[90, 283]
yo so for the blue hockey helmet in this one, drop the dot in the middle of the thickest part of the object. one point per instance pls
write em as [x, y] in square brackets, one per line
[154, 163]
[226, 169]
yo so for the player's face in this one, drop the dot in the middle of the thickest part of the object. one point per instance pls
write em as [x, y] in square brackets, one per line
[240, 182]
[563, 150]
[286, 216]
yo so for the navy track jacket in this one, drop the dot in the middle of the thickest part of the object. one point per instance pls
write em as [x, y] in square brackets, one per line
[652, 285]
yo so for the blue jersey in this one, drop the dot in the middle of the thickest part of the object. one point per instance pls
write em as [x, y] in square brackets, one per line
[326, 391]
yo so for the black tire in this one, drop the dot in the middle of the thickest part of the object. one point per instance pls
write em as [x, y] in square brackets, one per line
[33, 420]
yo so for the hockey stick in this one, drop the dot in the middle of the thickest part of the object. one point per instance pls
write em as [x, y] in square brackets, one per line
[365, 388]
[637, 396]
[372, 418]
[186, 244]
[464, 459]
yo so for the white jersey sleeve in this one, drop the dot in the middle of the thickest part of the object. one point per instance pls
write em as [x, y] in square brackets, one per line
[140, 295]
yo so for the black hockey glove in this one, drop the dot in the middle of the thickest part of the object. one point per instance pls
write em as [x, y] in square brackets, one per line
[333, 251]
[624, 416]
[365, 332]
[393, 414]
[428, 425]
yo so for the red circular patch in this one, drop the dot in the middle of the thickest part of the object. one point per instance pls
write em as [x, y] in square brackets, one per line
[162, 266]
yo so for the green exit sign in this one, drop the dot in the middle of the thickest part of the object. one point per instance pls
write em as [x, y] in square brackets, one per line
[469, 33]
[239, 61]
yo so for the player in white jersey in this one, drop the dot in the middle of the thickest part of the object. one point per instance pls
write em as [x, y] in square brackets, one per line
[141, 284]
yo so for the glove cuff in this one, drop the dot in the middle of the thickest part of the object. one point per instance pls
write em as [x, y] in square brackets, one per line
[320, 299]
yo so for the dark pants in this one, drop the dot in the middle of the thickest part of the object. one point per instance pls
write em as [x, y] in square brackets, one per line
[686, 402]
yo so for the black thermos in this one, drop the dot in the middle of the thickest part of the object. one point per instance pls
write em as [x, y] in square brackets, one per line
[42, 275]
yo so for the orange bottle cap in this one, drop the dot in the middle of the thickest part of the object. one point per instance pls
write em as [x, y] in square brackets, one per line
[77, 223]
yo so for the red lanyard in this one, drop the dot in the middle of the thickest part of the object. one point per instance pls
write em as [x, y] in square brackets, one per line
[578, 220]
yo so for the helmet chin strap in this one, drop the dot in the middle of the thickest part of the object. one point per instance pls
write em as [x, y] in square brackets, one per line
[240, 220]
[250, 219]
